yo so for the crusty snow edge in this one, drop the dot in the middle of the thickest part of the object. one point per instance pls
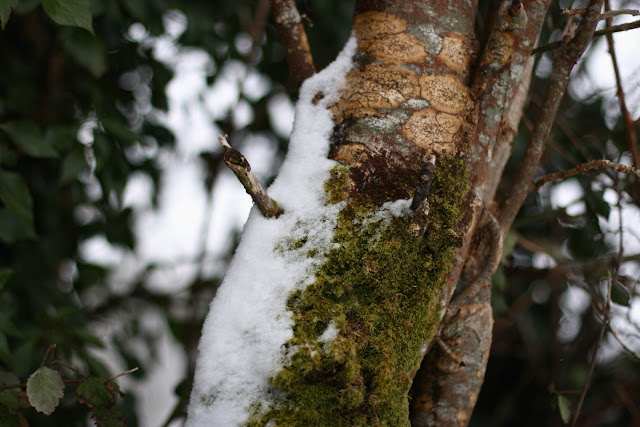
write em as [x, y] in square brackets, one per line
[248, 321]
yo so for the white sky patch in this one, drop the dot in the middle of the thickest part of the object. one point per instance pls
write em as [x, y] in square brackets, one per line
[248, 319]
[566, 194]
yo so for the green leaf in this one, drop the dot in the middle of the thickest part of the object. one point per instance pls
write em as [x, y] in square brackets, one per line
[76, 13]
[88, 51]
[45, 388]
[5, 11]
[73, 165]
[8, 378]
[5, 273]
[99, 394]
[26, 135]
[9, 401]
[15, 195]
[565, 408]
[13, 229]
[5, 352]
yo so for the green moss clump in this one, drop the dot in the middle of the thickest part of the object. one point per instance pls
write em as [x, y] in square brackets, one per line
[383, 299]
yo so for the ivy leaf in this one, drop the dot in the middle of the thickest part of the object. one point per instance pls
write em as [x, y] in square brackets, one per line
[15, 195]
[26, 135]
[99, 394]
[75, 13]
[565, 408]
[45, 388]
[5, 11]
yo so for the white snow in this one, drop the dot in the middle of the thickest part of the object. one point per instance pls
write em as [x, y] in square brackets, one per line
[248, 321]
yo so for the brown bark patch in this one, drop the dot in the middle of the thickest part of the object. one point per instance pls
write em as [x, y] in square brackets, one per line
[373, 87]
[397, 49]
[455, 53]
[433, 130]
[370, 25]
[500, 48]
[445, 93]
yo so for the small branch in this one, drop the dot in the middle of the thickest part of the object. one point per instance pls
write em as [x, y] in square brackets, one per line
[610, 30]
[581, 169]
[242, 169]
[629, 127]
[12, 386]
[294, 38]
[608, 14]
[68, 367]
[594, 357]
[635, 354]
[123, 373]
[563, 64]
[49, 349]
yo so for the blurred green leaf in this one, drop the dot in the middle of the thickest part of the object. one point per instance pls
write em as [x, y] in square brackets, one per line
[89, 51]
[15, 195]
[73, 165]
[45, 388]
[5, 11]
[100, 394]
[119, 130]
[26, 135]
[565, 408]
[8, 378]
[76, 13]
[5, 273]
[13, 229]
[5, 352]
[620, 295]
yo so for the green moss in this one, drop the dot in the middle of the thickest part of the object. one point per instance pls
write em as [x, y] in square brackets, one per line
[384, 300]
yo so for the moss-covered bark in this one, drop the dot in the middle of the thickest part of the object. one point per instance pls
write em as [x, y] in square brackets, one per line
[381, 289]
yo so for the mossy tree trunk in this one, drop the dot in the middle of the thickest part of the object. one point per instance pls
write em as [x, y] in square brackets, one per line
[428, 114]
[424, 88]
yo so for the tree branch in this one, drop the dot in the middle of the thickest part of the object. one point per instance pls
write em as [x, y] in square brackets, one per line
[242, 169]
[564, 61]
[581, 169]
[629, 127]
[610, 30]
[294, 38]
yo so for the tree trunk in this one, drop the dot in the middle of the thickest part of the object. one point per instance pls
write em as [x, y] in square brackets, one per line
[423, 108]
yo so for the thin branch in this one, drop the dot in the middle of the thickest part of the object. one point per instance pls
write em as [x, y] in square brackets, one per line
[605, 325]
[242, 169]
[635, 354]
[608, 14]
[123, 373]
[614, 29]
[71, 368]
[294, 38]
[629, 127]
[49, 349]
[563, 63]
[581, 169]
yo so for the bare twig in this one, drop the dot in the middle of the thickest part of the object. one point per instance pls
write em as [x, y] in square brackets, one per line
[608, 14]
[583, 168]
[50, 349]
[605, 324]
[629, 127]
[294, 38]
[242, 169]
[563, 63]
[123, 373]
[614, 29]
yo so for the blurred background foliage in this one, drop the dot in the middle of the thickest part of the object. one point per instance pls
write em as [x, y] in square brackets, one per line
[81, 115]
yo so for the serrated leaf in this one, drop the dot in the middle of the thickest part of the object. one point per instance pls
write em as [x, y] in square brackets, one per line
[76, 13]
[5, 11]
[15, 195]
[26, 136]
[13, 229]
[45, 388]
[565, 408]
[73, 165]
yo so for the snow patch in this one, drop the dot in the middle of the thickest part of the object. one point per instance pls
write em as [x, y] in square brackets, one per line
[248, 320]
